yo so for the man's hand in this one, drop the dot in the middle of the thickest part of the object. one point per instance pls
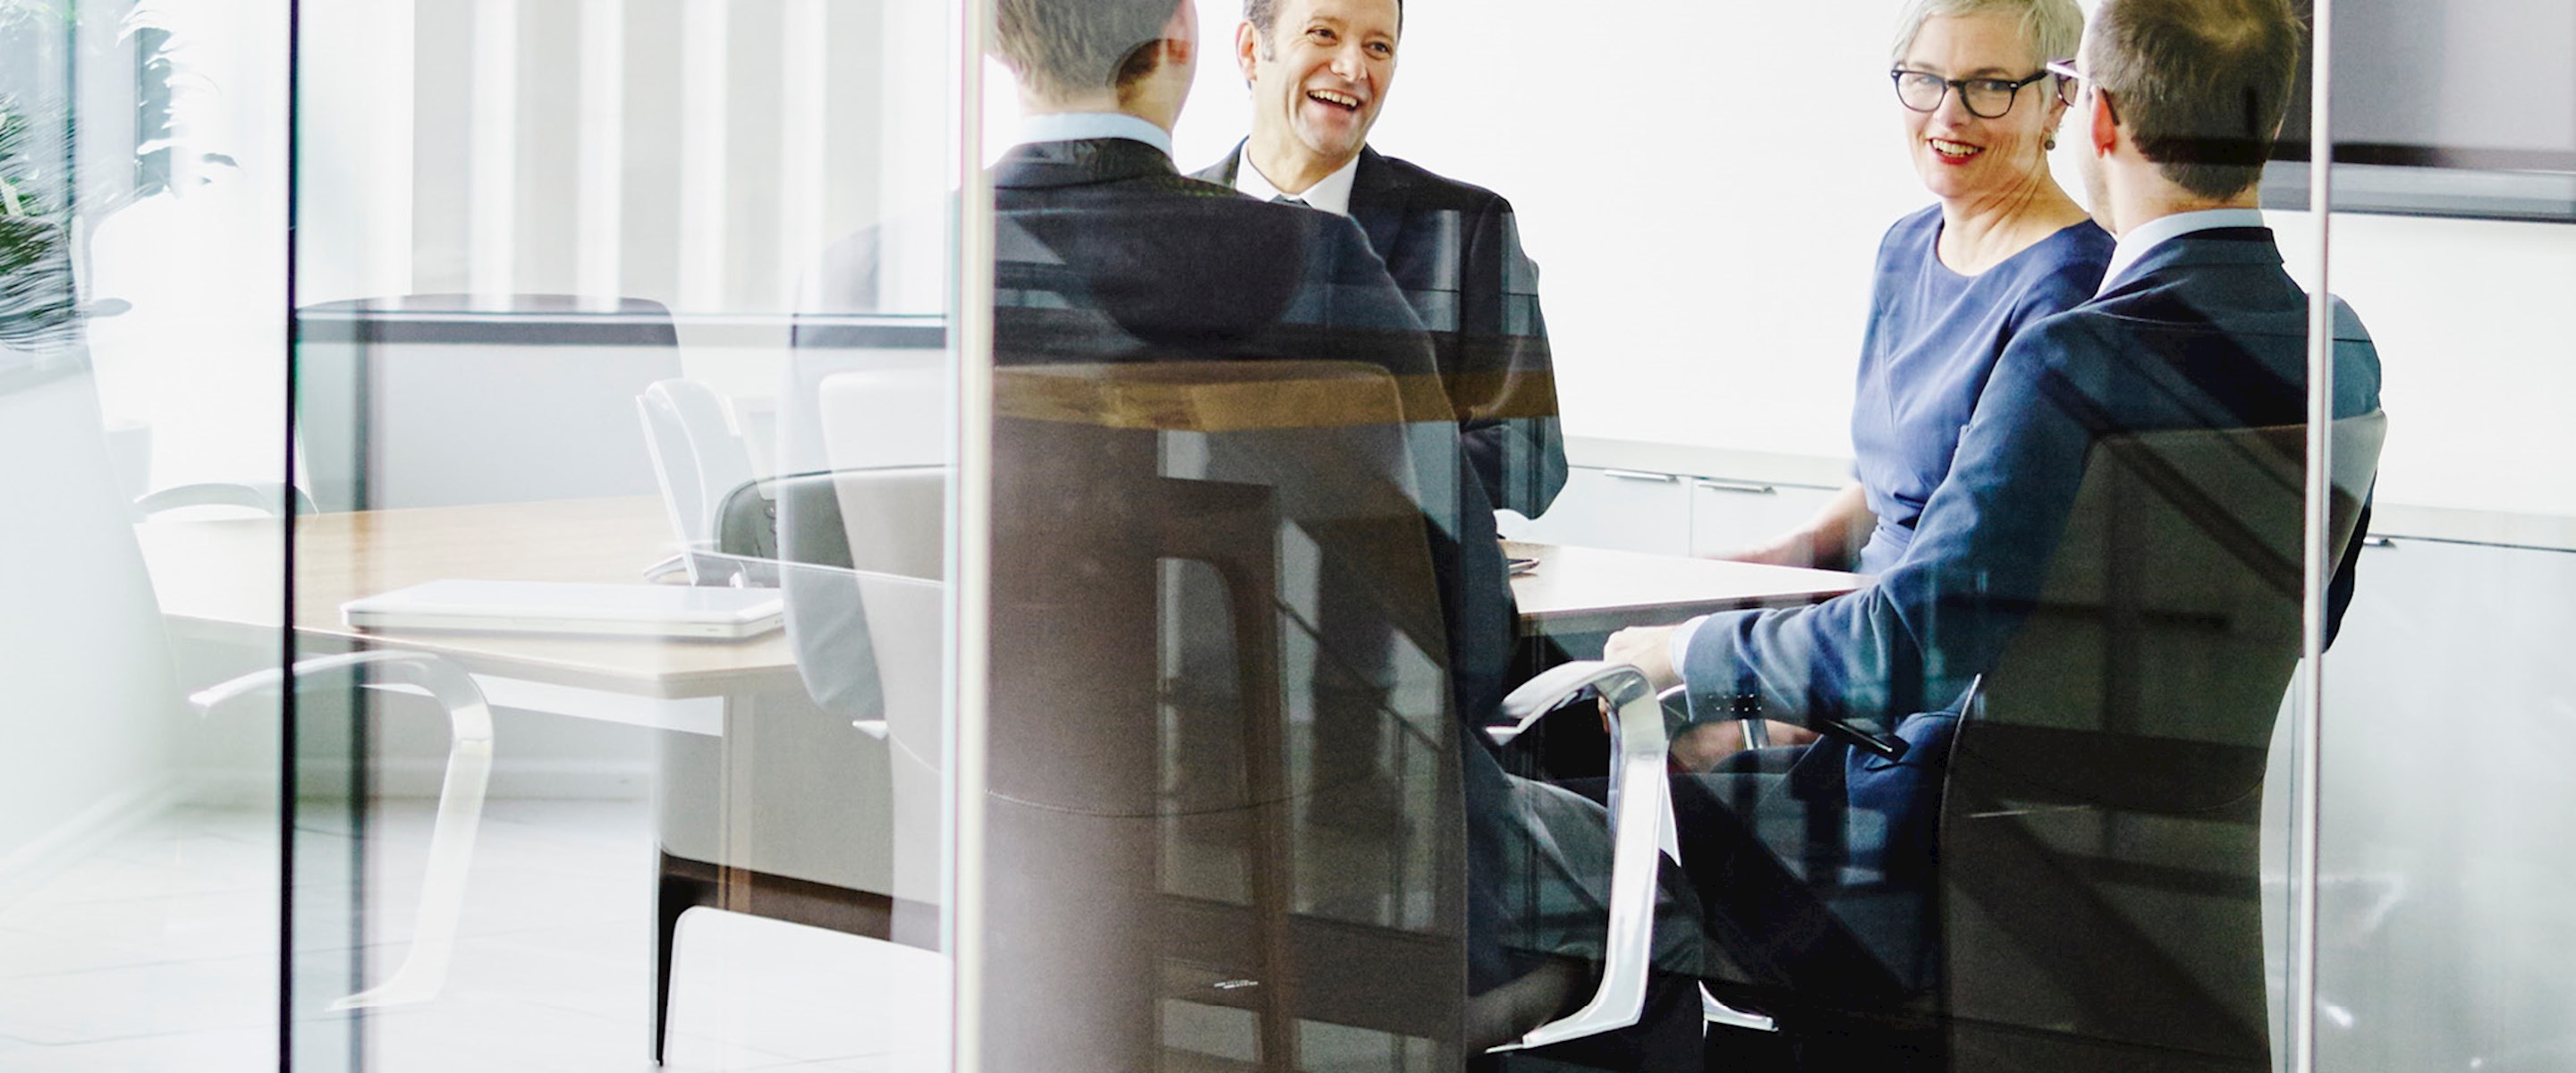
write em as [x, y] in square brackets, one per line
[1650, 649]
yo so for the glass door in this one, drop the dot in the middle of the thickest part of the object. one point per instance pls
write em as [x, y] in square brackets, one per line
[2447, 233]
[623, 359]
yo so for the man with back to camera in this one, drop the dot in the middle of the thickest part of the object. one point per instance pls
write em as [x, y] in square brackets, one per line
[1320, 71]
[2196, 326]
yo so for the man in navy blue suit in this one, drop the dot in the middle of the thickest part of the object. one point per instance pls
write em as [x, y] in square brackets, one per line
[2196, 326]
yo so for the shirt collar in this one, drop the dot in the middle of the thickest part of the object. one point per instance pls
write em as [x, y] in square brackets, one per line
[2133, 246]
[1090, 126]
[1332, 193]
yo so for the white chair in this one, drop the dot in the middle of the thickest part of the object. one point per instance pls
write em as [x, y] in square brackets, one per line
[697, 460]
[423, 971]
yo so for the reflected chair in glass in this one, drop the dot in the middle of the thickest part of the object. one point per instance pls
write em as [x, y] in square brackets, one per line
[821, 808]
[1190, 558]
[2096, 905]
[422, 973]
[697, 461]
[832, 818]
[101, 653]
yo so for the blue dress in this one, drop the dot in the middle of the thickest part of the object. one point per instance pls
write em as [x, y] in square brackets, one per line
[1933, 339]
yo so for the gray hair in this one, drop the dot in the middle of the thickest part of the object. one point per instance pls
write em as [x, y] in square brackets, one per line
[2052, 28]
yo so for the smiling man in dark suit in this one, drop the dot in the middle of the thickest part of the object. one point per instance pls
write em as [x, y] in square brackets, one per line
[1319, 72]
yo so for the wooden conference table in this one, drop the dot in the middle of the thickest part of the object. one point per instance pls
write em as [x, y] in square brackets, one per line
[221, 576]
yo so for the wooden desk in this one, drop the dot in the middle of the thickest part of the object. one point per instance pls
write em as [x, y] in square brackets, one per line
[1593, 591]
[223, 576]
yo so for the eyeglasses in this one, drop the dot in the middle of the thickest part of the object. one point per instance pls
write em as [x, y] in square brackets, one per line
[2067, 79]
[1986, 98]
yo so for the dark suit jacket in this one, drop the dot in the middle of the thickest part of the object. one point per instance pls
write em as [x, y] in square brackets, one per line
[1456, 253]
[2205, 332]
[1105, 253]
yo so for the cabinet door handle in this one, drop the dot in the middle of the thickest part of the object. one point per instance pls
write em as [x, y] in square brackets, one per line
[1641, 475]
[1751, 488]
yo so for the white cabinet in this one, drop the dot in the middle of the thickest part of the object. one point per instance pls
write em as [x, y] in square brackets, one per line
[2449, 718]
[1669, 513]
[1632, 510]
[1731, 515]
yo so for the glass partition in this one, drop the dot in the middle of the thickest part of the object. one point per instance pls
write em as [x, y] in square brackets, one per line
[142, 299]
[628, 455]
[1076, 535]
[2453, 131]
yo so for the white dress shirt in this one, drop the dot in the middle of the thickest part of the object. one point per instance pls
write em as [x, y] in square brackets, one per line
[1332, 193]
[2158, 231]
[1088, 126]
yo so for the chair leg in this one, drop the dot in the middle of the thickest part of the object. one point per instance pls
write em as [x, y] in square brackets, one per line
[674, 895]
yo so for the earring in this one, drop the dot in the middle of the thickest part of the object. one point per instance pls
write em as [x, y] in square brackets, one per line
[2049, 145]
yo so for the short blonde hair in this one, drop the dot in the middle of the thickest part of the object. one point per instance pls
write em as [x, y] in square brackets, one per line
[2052, 28]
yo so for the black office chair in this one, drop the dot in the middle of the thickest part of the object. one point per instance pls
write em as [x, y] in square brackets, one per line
[1125, 873]
[2096, 904]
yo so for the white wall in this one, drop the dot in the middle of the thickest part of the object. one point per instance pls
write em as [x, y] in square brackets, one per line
[2477, 343]
[1704, 187]
[85, 687]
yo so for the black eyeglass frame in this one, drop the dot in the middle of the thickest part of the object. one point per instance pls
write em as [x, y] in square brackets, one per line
[2068, 77]
[2012, 90]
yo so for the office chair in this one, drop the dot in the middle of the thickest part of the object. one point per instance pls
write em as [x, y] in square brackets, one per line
[820, 808]
[842, 782]
[422, 973]
[85, 595]
[1261, 911]
[697, 462]
[2096, 904]
[1121, 881]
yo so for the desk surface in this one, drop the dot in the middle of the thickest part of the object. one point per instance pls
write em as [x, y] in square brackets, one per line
[1578, 590]
[223, 575]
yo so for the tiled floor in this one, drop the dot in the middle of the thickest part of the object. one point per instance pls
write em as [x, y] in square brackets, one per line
[159, 952]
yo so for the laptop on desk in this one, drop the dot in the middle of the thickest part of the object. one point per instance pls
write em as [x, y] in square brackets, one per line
[557, 607]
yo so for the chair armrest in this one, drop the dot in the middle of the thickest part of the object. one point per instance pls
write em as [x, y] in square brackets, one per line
[1641, 826]
[423, 971]
[268, 497]
[1676, 705]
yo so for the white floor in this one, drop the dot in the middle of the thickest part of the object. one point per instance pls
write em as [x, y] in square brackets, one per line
[159, 952]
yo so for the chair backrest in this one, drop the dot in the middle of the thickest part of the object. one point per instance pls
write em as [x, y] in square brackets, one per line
[886, 438]
[1185, 553]
[2100, 824]
[696, 457]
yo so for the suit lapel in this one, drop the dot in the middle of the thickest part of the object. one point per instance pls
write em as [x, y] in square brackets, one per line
[1377, 203]
[1377, 198]
[1223, 171]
